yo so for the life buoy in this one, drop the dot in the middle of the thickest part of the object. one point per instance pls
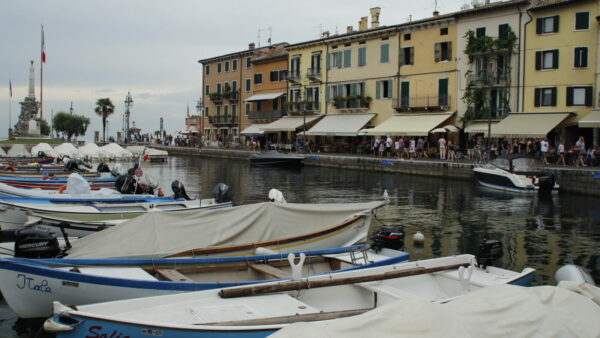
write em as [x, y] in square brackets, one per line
[62, 189]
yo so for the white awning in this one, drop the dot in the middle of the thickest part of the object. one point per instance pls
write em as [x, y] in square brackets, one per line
[288, 123]
[409, 124]
[340, 125]
[260, 97]
[591, 120]
[528, 124]
[446, 129]
[478, 127]
[253, 130]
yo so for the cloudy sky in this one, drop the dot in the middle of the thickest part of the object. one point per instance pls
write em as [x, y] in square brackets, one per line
[97, 49]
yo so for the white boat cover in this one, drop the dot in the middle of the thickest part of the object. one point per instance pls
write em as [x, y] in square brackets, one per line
[46, 148]
[136, 150]
[18, 150]
[77, 185]
[67, 149]
[570, 310]
[92, 151]
[160, 234]
[115, 151]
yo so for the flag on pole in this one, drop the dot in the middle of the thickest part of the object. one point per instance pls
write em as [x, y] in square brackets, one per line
[10, 87]
[43, 47]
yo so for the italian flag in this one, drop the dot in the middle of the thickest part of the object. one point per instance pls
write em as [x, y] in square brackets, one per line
[145, 155]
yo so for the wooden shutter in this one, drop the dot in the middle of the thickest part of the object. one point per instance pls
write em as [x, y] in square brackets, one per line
[538, 60]
[327, 61]
[327, 94]
[401, 56]
[588, 96]
[362, 56]
[555, 59]
[347, 58]
[538, 25]
[385, 53]
[340, 89]
[378, 89]
[553, 103]
[412, 55]
[449, 51]
[537, 98]
[555, 28]
[570, 94]
[389, 88]
[404, 93]
[438, 50]
[443, 92]
[338, 59]
[584, 57]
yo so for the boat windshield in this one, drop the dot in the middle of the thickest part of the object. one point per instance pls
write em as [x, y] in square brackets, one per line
[527, 164]
[502, 163]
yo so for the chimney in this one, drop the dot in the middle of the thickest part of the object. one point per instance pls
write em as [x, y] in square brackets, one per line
[436, 13]
[325, 34]
[251, 46]
[349, 29]
[375, 11]
[362, 24]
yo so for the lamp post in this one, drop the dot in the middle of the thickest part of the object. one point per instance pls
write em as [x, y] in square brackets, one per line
[489, 82]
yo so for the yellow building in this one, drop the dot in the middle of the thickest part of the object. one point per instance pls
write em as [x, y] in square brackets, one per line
[560, 63]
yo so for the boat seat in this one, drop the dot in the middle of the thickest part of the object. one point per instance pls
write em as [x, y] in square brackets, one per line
[270, 270]
[388, 290]
[173, 275]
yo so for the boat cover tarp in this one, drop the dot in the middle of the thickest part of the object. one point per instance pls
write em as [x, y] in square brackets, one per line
[91, 150]
[2, 152]
[18, 150]
[160, 234]
[114, 150]
[67, 149]
[46, 148]
[570, 310]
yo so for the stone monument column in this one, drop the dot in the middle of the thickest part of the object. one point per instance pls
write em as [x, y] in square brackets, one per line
[28, 124]
[31, 82]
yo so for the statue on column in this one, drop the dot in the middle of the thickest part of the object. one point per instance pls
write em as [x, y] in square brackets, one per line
[28, 124]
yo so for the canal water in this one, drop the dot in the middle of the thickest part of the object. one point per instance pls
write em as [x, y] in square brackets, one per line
[455, 216]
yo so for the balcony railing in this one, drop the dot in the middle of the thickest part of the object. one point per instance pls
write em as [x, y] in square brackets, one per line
[216, 97]
[267, 114]
[350, 103]
[223, 120]
[230, 95]
[313, 74]
[299, 107]
[293, 76]
[490, 78]
[418, 103]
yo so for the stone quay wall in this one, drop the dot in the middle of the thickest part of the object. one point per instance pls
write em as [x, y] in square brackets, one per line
[571, 179]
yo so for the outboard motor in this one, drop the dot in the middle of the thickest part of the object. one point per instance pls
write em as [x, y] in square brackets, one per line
[546, 183]
[31, 243]
[103, 168]
[125, 184]
[179, 190]
[41, 154]
[222, 193]
[388, 236]
[489, 251]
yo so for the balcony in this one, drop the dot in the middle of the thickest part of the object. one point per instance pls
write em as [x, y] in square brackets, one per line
[223, 120]
[422, 103]
[313, 74]
[216, 97]
[352, 102]
[485, 78]
[299, 107]
[267, 114]
[294, 76]
[231, 95]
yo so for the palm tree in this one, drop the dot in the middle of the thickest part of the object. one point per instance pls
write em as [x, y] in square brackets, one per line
[104, 108]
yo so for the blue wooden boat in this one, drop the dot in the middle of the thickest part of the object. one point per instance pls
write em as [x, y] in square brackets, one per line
[55, 183]
[84, 281]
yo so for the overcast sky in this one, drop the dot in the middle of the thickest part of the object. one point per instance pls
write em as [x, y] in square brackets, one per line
[98, 49]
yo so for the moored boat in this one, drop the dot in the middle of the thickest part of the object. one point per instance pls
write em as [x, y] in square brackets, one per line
[276, 158]
[51, 183]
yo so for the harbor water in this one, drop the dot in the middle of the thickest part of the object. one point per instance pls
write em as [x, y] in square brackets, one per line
[453, 215]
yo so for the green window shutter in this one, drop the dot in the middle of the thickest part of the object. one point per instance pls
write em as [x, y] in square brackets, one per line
[347, 58]
[404, 93]
[378, 89]
[555, 23]
[385, 53]
[538, 60]
[553, 97]
[537, 97]
[588, 96]
[362, 56]
[401, 56]
[449, 51]
[340, 89]
[570, 91]
[353, 89]
[363, 87]
[327, 94]
[389, 88]
[327, 60]
[538, 27]
[443, 92]
[412, 55]
[555, 59]
[438, 51]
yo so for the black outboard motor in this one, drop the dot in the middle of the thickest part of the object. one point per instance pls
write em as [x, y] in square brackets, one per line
[546, 184]
[41, 154]
[125, 184]
[222, 193]
[31, 243]
[179, 190]
[103, 168]
[388, 236]
[71, 165]
[489, 251]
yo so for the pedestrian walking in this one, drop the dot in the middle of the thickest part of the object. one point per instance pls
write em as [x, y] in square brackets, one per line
[544, 145]
[412, 148]
[580, 149]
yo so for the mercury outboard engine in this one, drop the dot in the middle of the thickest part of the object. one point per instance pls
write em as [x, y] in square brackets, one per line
[388, 236]
[546, 183]
[31, 243]
[222, 193]
[489, 251]
[179, 190]
[103, 168]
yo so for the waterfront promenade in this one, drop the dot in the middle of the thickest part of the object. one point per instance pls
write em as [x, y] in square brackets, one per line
[572, 179]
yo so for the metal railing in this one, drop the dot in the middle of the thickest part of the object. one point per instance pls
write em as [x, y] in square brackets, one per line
[222, 120]
[293, 75]
[313, 73]
[266, 114]
[356, 103]
[422, 102]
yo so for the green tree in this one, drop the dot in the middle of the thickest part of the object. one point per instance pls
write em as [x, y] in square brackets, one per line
[44, 127]
[104, 108]
[70, 124]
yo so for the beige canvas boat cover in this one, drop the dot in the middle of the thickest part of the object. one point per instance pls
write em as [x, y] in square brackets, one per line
[495, 311]
[160, 234]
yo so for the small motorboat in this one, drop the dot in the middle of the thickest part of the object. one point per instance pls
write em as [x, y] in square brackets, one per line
[516, 173]
[259, 310]
[274, 158]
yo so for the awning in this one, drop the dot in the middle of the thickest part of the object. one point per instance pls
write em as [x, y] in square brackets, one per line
[446, 129]
[478, 127]
[340, 125]
[260, 97]
[528, 124]
[288, 123]
[253, 130]
[591, 120]
[409, 124]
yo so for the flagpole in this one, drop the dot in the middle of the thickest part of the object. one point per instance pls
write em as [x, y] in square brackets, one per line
[10, 105]
[42, 77]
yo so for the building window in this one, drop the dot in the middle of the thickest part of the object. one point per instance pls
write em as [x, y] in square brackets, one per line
[218, 110]
[207, 89]
[315, 62]
[295, 66]
[248, 62]
[362, 56]
[347, 58]
[503, 31]
[383, 89]
[385, 53]
[581, 57]
[545, 97]
[275, 104]
[404, 94]
[283, 75]
[479, 32]
[274, 76]
[443, 92]
[234, 86]
[335, 60]
[547, 25]
[206, 111]
[258, 78]
[218, 87]
[443, 51]
[259, 106]
[248, 85]
[226, 66]
[219, 68]
[247, 108]
[547, 59]
[207, 69]
[582, 21]
[234, 65]
[407, 55]
[407, 37]
[226, 110]
[444, 31]
[579, 96]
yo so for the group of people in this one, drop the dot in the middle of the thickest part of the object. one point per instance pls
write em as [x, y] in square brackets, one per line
[409, 147]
